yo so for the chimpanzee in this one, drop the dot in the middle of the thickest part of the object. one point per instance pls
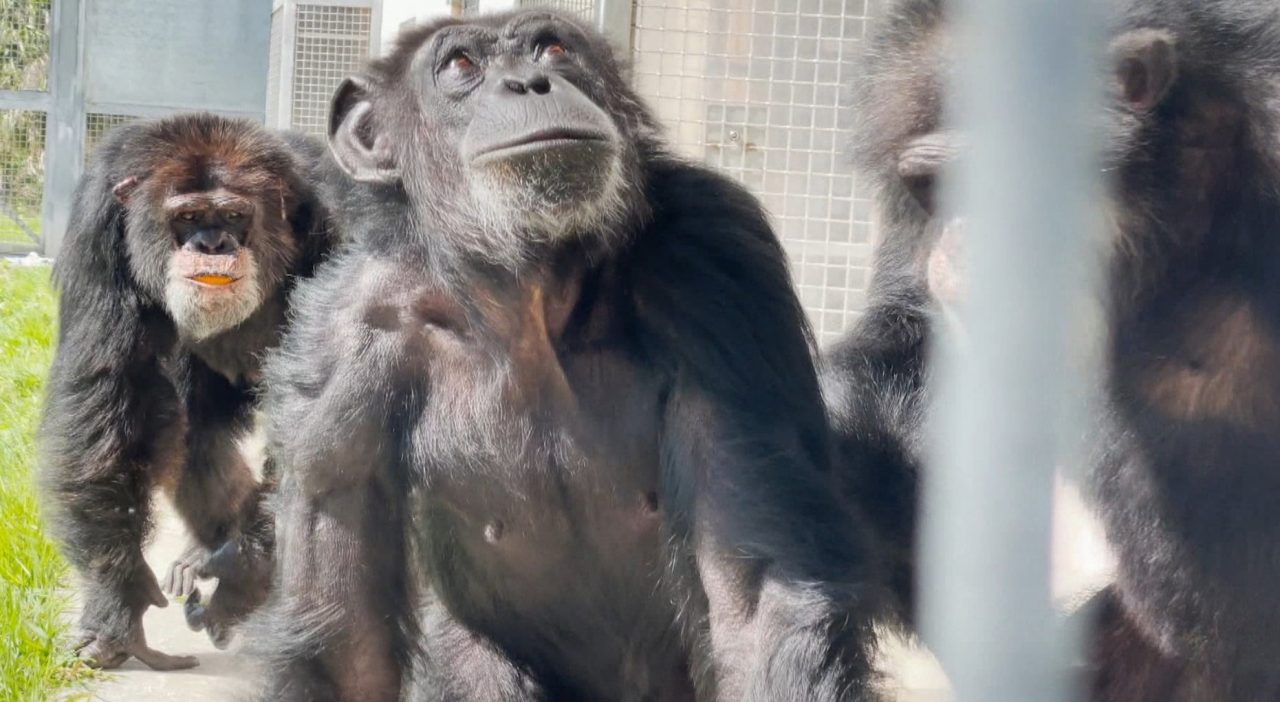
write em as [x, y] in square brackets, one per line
[1190, 423]
[186, 236]
[551, 429]
[875, 378]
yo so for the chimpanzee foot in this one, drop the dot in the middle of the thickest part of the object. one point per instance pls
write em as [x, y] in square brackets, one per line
[107, 652]
[108, 641]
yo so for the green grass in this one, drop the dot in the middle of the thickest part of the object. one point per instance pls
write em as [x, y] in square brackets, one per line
[34, 662]
[11, 233]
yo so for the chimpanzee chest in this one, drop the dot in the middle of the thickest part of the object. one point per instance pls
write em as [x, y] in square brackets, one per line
[544, 513]
[1209, 356]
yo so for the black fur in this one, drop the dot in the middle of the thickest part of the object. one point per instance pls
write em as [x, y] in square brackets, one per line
[875, 379]
[597, 470]
[130, 405]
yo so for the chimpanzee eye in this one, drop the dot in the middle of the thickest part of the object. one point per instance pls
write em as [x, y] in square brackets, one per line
[460, 62]
[187, 216]
[553, 49]
[233, 215]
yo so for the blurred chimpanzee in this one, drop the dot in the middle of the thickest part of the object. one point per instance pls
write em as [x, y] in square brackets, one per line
[1192, 355]
[185, 236]
[875, 379]
[551, 430]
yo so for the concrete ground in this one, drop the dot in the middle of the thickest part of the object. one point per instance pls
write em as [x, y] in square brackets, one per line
[221, 675]
[1081, 565]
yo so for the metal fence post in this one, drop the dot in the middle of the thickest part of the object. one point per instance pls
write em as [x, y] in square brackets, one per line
[1025, 94]
[65, 124]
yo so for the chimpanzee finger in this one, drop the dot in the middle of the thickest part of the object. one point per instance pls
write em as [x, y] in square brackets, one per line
[170, 582]
[188, 580]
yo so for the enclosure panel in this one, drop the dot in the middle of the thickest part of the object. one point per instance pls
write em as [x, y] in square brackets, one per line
[275, 54]
[24, 36]
[759, 89]
[22, 136]
[194, 55]
[96, 126]
[330, 43]
[585, 9]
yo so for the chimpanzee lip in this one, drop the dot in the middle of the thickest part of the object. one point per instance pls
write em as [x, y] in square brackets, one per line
[194, 278]
[541, 138]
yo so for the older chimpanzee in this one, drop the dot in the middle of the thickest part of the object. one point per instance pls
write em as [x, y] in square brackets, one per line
[1192, 351]
[186, 234]
[553, 423]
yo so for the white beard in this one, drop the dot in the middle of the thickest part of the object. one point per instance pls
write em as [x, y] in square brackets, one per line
[200, 312]
[534, 207]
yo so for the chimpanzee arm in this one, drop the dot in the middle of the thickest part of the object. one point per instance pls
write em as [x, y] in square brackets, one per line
[789, 580]
[111, 424]
[219, 498]
[339, 622]
[460, 665]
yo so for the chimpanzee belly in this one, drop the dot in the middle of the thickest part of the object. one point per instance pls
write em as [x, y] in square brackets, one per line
[545, 527]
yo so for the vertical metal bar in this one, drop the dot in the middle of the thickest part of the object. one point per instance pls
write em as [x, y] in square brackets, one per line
[65, 122]
[375, 28]
[288, 65]
[613, 19]
[1024, 93]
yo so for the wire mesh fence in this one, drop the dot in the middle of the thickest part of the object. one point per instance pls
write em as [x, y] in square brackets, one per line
[22, 135]
[758, 88]
[584, 9]
[97, 125]
[24, 45]
[331, 42]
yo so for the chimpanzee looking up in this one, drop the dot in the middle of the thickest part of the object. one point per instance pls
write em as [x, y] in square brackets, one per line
[185, 236]
[551, 430]
[1192, 354]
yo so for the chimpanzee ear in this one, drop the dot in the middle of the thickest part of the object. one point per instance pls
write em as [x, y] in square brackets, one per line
[1145, 62]
[353, 135]
[125, 188]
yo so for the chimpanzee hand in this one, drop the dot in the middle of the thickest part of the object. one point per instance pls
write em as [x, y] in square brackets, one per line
[183, 573]
[111, 626]
[243, 583]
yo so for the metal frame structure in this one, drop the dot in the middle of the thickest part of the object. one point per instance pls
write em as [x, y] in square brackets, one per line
[282, 62]
[58, 101]
[69, 108]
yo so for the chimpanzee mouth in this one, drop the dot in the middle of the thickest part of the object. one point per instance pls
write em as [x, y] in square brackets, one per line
[538, 140]
[212, 280]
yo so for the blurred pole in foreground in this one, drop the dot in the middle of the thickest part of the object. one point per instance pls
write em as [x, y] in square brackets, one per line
[1025, 93]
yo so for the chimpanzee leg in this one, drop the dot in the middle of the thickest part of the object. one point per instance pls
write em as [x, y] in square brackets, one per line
[108, 444]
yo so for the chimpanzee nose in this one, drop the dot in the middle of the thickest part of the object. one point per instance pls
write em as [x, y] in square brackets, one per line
[540, 84]
[212, 242]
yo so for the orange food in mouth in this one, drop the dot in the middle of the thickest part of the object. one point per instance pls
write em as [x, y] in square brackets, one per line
[213, 279]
